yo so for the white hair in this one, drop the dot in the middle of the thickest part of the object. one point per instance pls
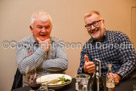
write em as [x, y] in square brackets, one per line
[43, 16]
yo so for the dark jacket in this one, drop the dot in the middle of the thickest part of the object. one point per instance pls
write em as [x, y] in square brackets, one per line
[18, 80]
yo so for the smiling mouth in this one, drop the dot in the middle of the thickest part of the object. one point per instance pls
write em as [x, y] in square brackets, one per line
[94, 30]
[43, 34]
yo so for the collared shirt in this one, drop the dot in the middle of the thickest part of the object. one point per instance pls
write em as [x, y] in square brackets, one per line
[54, 61]
[115, 48]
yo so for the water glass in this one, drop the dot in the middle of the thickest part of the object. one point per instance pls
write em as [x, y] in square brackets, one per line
[82, 82]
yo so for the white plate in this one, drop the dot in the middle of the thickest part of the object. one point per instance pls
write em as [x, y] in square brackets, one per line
[50, 77]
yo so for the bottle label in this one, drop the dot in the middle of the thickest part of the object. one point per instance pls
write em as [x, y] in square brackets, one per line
[110, 85]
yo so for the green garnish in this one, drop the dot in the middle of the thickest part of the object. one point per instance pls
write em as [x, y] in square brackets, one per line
[63, 79]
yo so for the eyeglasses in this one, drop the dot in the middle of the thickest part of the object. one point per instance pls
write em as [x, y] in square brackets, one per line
[95, 24]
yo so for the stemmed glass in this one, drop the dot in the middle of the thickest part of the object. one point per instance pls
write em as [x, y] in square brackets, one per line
[31, 79]
[43, 87]
[36, 86]
[44, 84]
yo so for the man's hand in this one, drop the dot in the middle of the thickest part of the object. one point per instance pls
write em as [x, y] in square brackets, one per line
[89, 67]
[46, 44]
[30, 53]
[117, 78]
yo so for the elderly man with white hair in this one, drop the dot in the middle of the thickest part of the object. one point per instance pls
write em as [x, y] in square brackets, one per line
[40, 51]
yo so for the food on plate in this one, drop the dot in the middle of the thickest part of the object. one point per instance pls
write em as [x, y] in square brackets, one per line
[54, 80]
[60, 80]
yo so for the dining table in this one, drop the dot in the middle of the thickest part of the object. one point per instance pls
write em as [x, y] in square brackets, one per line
[124, 85]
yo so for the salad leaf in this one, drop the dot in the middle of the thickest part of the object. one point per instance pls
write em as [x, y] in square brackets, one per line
[63, 79]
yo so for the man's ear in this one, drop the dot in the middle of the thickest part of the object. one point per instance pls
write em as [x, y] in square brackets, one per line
[103, 22]
[31, 28]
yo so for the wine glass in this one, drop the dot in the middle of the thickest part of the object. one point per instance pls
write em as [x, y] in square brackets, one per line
[43, 87]
[31, 79]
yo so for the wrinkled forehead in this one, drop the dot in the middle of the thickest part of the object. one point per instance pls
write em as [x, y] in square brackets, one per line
[39, 22]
